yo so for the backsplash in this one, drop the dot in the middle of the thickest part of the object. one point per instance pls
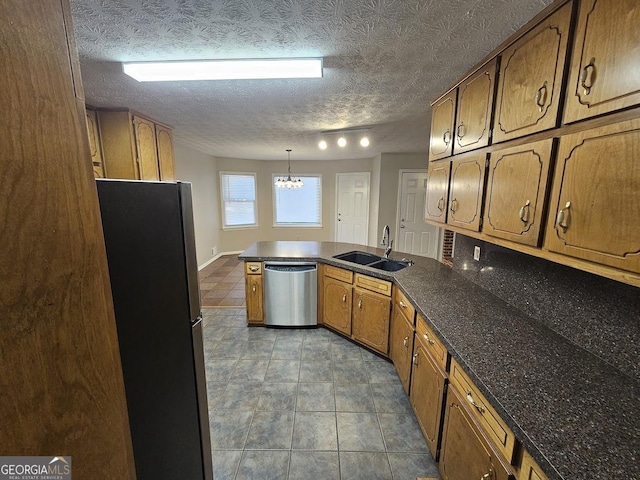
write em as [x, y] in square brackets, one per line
[598, 314]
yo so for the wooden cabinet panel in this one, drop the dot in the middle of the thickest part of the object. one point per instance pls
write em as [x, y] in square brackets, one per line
[605, 62]
[403, 303]
[146, 144]
[94, 144]
[516, 187]
[336, 312]
[529, 469]
[432, 344]
[473, 117]
[496, 430]
[401, 345]
[437, 198]
[427, 394]
[118, 146]
[338, 273]
[465, 194]
[164, 139]
[442, 118]
[371, 319]
[530, 79]
[255, 311]
[595, 203]
[465, 453]
[374, 284]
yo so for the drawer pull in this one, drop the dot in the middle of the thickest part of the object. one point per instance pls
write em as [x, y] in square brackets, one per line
[562, 220]
[440, 203]
[406, 341]
[429, 341]
[253, 288]
[402, 304]
[487, 475]
[446, 138]
[415, 358]
[541, 96]
[474, 404]
[344, 297]
[524, 212]
[254, 268]
[586, 77]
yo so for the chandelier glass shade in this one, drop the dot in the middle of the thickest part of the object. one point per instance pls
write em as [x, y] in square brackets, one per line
[288, 182]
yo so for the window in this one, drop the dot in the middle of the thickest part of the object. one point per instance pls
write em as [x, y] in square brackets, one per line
[238, 192]
[298, 207]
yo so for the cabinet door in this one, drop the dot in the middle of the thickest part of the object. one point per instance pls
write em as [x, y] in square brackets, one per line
[595, 203]
[164, 139]
[401, 346]
[371, 319]
[475, 101]
[145, 134]
[516, 192]
[465, 453]
[442, 118]
[336, 312]
[530, 79]
[427, 394]
[94, 144]
[604, 67]
[255, 312]
[435, 208]
[465, 194]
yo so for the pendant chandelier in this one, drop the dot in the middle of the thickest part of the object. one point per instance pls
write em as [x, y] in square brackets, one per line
[288, 182]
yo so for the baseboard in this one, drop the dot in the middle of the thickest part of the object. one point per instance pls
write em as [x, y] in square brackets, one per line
[221, 254]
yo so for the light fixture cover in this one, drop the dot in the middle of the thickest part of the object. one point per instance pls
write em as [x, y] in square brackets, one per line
[342, 142]
[322, 145]
[240, 69]
[364, 141]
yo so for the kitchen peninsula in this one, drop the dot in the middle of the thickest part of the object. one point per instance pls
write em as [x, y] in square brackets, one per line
[575, 414]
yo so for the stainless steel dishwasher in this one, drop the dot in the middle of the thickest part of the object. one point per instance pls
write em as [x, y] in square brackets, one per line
[291, 294]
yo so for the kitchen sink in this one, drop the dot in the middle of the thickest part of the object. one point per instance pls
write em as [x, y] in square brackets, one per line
[371, 260]
[361, 258]
[388, 265]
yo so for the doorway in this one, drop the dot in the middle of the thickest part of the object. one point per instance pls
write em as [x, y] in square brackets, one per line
[412, 233]
[352, 207]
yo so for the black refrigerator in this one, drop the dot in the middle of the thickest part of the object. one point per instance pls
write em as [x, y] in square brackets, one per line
[149, 237]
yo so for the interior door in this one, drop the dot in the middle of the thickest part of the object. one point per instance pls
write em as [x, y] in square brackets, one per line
[413, 234]
[352, 222]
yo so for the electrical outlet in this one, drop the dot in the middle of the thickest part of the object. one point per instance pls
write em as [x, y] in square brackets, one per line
[476, 253]
[214, 250]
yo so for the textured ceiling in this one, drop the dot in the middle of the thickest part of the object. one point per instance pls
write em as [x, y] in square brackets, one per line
[384, 60]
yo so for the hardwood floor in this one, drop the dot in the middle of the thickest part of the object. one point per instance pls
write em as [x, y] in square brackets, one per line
[222, 283]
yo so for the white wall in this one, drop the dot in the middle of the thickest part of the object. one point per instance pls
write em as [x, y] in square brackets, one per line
[233, 240]
[200, 169]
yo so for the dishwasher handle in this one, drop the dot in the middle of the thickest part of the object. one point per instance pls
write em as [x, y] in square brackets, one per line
[290, 268]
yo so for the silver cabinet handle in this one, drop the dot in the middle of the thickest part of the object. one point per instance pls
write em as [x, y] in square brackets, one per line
[415, 358]
[253, 288]
[562, 220]
[541, 96]
[460, 130]
[429, 341]
[446, 138]
[586, 76]
[440, 203]
[344, 297]
[473, 402]
[360, 303]
[454, 205]
[524, 212]
[406, 341]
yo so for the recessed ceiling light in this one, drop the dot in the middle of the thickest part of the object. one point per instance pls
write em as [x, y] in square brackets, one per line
[322, 145]
[342, 142]
[364, 141]
[224, 69]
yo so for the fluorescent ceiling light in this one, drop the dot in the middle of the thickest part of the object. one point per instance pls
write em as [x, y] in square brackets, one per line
[224, 69]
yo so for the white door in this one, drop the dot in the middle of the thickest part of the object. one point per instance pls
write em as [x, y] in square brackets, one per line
[414, 235]
[352, 219]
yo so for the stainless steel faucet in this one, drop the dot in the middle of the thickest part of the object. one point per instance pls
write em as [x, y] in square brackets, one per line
[386, 241]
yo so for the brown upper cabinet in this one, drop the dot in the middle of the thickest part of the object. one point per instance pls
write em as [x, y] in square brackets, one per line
[443, 113]
[465, 194]
[516, 188]
[530, 79]
[135, 147]
[94, 144]
[473, 116]
[606, 59]
[595, 204]
[437, 196]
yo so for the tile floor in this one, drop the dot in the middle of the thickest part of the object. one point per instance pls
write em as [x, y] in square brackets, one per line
[305, 404]
[222, 283]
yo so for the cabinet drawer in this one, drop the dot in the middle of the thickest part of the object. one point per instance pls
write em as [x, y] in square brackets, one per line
[487, 417]
[402, 303]
[338, 273]
[434, 346]
[374, 284]
[529, 469]
[253, 268]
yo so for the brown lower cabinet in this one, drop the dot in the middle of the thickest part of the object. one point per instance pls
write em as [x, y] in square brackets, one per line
[255, 311]
[401, 345]
[370, 319]
[428, 383]
[336, 312]
[466, 453]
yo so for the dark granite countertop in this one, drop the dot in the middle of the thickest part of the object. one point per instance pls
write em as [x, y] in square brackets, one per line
[577, 415]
